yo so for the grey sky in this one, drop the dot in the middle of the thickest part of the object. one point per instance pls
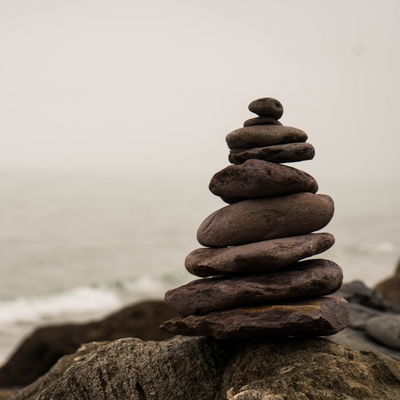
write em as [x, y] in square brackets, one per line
[156, 85]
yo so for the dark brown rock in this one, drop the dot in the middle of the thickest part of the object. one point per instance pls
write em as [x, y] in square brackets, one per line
[265, 256]
[302, 279]
[264, 135]
[390, 289]
[311, 317]
[267, 106]
[282, 153]
[261, 121]
[258, 178]
[204, 368]
[40, 351]
[267, 218]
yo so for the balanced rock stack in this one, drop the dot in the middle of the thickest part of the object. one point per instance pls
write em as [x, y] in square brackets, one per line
[253, 282]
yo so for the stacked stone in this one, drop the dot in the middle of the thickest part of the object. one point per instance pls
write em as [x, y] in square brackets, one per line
[253, 282]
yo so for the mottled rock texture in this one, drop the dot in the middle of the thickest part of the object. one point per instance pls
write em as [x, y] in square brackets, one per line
[264, 256]
[40, 351]
[267, 106]
[302, 279]
[199, 368]
[319, 316]
[258, 178]
[261, 121]
[280, 153]
[255, 220]
[264, 135]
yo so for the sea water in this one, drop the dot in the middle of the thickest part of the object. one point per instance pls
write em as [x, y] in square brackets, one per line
[78, 246]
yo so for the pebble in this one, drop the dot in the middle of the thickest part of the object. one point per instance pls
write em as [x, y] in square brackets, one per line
[261, 121]
[319, 316]
[385, 329]
[308, 278]
[265, 256]
[264, 135]
[290, 152]
[267, 106]
[266, 218]
[259, 178]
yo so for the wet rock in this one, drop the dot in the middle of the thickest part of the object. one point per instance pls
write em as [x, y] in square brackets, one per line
[267, 106]
[265, 256]
[303, 279]
[261, 121]
[200, 368]
[386, 330]
[40, 351]
[264, 135]
[258, 178]
[255, 220]
[320, 316]
[281, 153]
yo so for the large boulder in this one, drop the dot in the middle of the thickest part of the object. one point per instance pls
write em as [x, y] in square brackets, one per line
[390, 287]
[206, 368]
[40, 351]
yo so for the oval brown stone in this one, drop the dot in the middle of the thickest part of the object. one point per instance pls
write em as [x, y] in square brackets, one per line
[281, 153]
[255, 220]
[259, 178]
[320, 316]
[267, 106]
[307, 278]
[264, 256]
[261, 121]
[264, 135]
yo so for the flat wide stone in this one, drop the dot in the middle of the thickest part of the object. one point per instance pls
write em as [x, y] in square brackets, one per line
[303, 279]
[265, 256]
[321, 316]
[282, 153]
[258, 178]
[264, 135]
[267, 218]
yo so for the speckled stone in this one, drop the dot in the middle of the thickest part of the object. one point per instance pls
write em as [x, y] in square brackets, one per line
[385, 329]
[259, 178]
[267, 218]
[265, 256]
[267, 106]
[303, 279]
[264, 135]
[281, 153]
[320, 316]
[261, 121]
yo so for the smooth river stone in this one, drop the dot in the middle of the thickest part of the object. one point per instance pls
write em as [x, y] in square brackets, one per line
[266, 218]
[303, 279]
[385, 329]
[321, 316]
[281, 153]
[264, 135]
[267, 106]
[265, 256]
[258, 178]
[261, 121]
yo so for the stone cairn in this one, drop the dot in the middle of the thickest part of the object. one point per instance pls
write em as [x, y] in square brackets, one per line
[253, 283]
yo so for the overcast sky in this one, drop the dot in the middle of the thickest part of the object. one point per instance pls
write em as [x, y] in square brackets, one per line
[155, 85]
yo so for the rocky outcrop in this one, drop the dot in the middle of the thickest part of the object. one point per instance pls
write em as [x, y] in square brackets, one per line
[40, 351]
[206, 368]
[390, 287]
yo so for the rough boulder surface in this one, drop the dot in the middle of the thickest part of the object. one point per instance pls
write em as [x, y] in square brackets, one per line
[202, 368]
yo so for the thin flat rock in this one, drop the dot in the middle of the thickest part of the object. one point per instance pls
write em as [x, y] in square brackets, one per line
[264, 135]
[282, 153]
[261, 121]
[304, 279]
[321, 316]
[267, 106]
[265, 256]
[266, 218]
[258, 178]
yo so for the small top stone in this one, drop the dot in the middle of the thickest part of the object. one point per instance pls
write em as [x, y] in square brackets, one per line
[266, 107]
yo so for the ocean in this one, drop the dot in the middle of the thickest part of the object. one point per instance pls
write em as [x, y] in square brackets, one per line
[77, 246]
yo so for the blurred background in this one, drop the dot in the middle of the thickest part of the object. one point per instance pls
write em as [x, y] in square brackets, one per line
[113, 117]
